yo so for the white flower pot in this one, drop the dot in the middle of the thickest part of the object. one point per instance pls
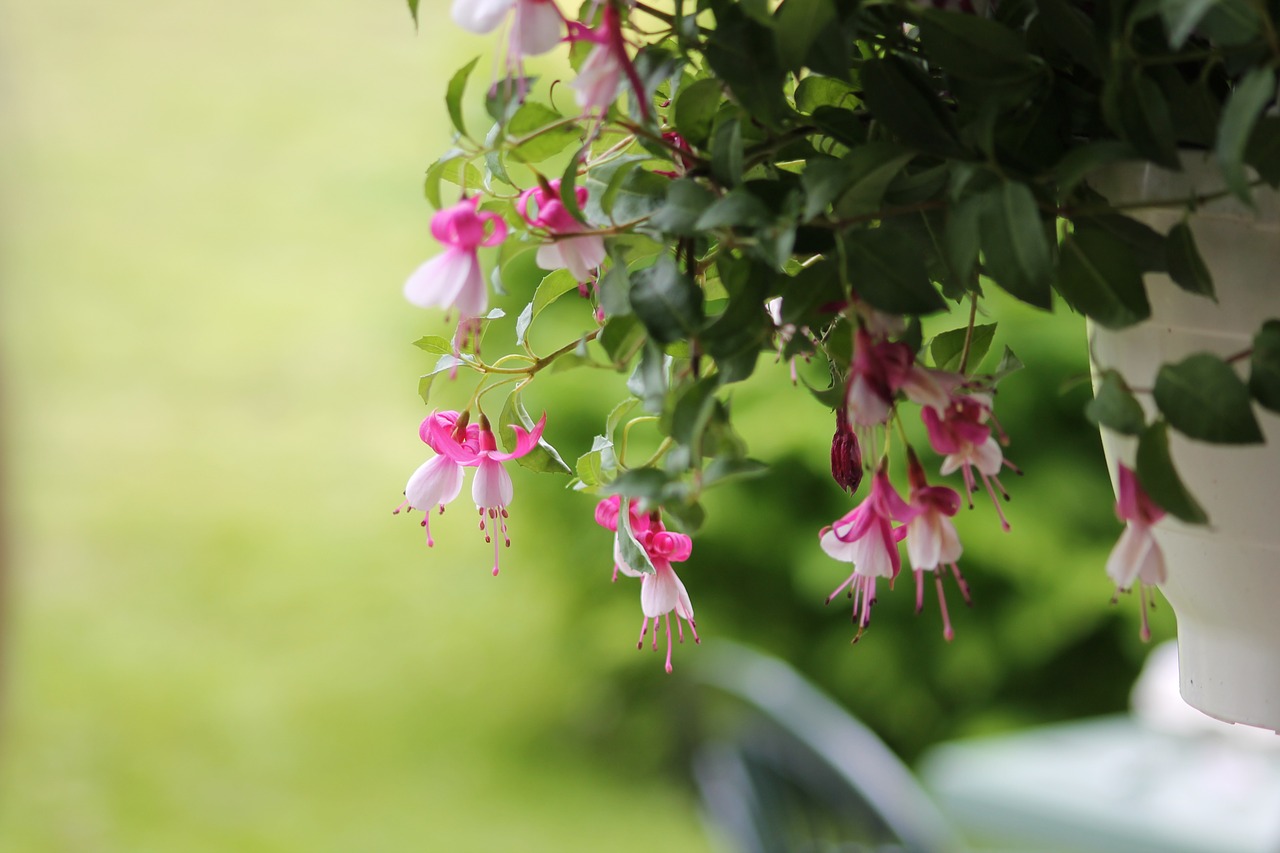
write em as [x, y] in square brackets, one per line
[1224, 579]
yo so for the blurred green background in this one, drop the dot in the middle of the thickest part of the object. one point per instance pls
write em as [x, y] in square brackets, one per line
[216, 635]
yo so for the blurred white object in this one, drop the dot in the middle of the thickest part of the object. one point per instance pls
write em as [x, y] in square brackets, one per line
[1223, 579]
[1168, 779]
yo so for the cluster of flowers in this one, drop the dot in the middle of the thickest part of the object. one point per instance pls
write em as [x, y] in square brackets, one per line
[955, 409]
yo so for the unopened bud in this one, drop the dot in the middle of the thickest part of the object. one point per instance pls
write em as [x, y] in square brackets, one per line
[846, 456]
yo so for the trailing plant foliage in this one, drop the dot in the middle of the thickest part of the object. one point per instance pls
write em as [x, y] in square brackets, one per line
[811, 178]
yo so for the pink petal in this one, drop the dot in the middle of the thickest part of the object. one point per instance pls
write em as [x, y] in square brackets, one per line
[537, 29]
[525, 441]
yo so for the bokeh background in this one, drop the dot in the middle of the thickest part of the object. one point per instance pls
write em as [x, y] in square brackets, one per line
[216, 636]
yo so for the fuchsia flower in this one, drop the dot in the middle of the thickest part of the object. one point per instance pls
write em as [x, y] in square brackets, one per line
[962, 435]
[580, 254]
[867, 538]
[491, 488]
[438, 481]
[932, 541]
[1137, 556]
[536, 25]
[880, 370]
[453, 279]
[601, 73]
[661, 590]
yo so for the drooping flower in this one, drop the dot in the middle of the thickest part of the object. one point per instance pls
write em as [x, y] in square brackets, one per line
[661, 591]
[581, 254]
[602, 72]
[452, 279]
[491, 488]
[1137, 557]
[867, 538]
[536, 26]
[932, 541]
[961, 433]
[438, 481]
[880, 370]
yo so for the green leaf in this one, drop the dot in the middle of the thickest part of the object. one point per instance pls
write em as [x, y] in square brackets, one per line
[1015, 245]
[1263, 150]
[1080, 161]
[885, 268]
[797, 26]
[1098, 277]
[900, 97]
[1071, 29]
[649, 380]
[727, 153]
[1160, 480]
[599, 465]
[1186, 267]
[872, 167]
[685, 202]
[695, 109]
[1136, 108]
[630, 550]
[946, 348]
[1181, 17]
[736, 208]
[454, 168]
[974, 48]
[1009, 364]
[621, 337]
[539, 132]
[413, 10]
[667, 301]
[457, 86]
[722, 469]
[742, 53]
[434, 344]
[543, 458]
[816, 91]
[1252, 94]
[445, 362]
[1115, 407]
[823, 179]
[555, 285]
[1203, 398]
[1264, 366]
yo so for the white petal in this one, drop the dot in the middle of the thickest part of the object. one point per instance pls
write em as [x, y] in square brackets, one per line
[436, 482]
[491, 488]
[660, 591]
[437, 282]
[549, 257]
[988, 457]
[924, 541]
[1129, 554]
[539, 28]
[480, 16]
[836, 547]
[871, 558]
[473, 298]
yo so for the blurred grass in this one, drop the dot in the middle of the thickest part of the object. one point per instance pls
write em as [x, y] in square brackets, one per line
[219, 638]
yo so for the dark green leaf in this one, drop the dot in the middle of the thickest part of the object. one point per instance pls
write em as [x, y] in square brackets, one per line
[1203, 398]
[1252, 94]
[621, 337]
[1115, 407]
[727, 153]
[1080, 161]
[667, 301]
[1181, 17]
[1135, 107]
[1071, 29]
[974, 48]
[1263, 150]
[816, 91]
[695, 109]
[946, 348]
[797, 25]
[900, 97]
[1015, 245]
[823, 179]
[872, 167]
[1264, 366]
[649, 380]
[738, 207]
[1186, 267]
[685, 202]
[1160, 480]
[457, 86]
[1098, 277]
[742, 53]
[885, 269]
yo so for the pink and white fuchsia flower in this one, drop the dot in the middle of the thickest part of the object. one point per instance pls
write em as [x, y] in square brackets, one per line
[1137, 557]
[491, 488]
[606, 65]
[932, 541]
[542, 208]
[961, 433]
[867, 538]
[880, 370]
[661, 591]
[536, 25]
[437, 481]
[452, 279]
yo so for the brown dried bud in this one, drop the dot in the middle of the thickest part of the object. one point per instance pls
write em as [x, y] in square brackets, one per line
[846, 456]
